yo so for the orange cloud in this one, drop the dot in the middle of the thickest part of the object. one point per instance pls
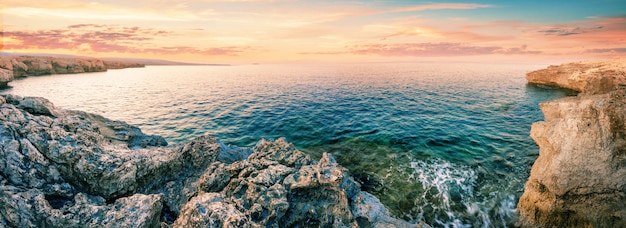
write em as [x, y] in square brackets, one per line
[439, 6]
[428, 50]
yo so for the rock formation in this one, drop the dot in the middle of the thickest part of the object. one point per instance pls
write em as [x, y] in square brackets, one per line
[121, 65]
[5, 77]
[20, 66]
[39, 65]
[579, 178]
[61, 168]
[589, 77]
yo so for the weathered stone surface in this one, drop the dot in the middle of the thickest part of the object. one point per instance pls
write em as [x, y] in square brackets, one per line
[579, 178]
[61, 168]
[21, 66]
[121, 65]
[590, 77]
[5, 77]
[279, 186]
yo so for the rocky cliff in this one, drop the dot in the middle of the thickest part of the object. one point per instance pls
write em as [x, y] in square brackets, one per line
[20, 66]
[62, 168]
[121, 65]
[579, 178]
[5, 77]
[589, 77]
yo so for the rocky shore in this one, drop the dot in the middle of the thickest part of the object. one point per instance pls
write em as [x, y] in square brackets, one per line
[63, 168]
[20, 66]
[579, 178]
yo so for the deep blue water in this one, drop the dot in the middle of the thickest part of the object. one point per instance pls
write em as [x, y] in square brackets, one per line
[444, 143]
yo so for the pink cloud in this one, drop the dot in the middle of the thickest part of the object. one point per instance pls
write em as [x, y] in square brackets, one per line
[106, 38]
[439, 6]
[434, 49]
[607, 50]
[427, 50]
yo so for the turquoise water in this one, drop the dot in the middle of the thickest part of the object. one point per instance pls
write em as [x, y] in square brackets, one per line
[444, 143]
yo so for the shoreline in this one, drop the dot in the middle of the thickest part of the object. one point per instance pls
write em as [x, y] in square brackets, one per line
[603, 99]
[12, 67]
[579, 178]
[60, 162]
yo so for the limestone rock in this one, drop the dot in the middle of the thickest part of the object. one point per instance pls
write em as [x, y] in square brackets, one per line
[579, 178]
[121, 65]
[5, 77]
[63, 168]
[279, 186]
[590, 77]
[21, 66]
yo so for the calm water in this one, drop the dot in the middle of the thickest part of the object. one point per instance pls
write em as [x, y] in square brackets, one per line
[444, 143]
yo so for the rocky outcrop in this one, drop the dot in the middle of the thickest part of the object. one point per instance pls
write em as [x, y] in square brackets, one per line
[39, 65]
[5, 77]
[121, 65]
[21, 66]
[579, 178]
[589, 77]
[61, 168]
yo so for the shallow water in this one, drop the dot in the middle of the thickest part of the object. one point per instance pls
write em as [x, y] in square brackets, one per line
[446, 143]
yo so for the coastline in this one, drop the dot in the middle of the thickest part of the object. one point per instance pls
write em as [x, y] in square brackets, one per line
[560, 193]
[57, 164]
[579, 178]
[12, 67]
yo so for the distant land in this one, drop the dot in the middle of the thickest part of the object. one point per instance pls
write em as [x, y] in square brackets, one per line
[147, 62]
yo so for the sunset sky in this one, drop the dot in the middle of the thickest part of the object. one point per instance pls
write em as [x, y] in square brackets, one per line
[265, 31]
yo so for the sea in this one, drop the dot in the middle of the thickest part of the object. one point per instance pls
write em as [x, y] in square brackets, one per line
[443, 143]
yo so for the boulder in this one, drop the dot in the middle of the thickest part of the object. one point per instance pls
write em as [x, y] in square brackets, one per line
[279, 186]
[590, 77]
[579, 178]
[5, 77]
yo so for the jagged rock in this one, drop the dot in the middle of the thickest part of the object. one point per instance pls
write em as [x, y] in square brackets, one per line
[579, 178]
[590, 77]
[5, 77]
[62, 168]
[55, 154]
[279, 186]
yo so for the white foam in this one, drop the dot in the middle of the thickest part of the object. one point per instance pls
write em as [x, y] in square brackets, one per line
[449, 197]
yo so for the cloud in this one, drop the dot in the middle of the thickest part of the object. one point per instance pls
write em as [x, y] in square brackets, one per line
[427, 50]
[568, 31]
[94, 14]
[434, 49]
[439, 6]
[222, 51]
[607, 50]
[106, 39]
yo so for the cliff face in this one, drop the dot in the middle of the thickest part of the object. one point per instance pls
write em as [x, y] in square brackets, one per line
[589, 77]
[5, 77]
[121, 65]
[35, 65]
[579, 178]
[20, 66]
[61, 168]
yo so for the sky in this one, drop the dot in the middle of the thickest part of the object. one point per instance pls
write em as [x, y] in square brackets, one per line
[269, 31]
